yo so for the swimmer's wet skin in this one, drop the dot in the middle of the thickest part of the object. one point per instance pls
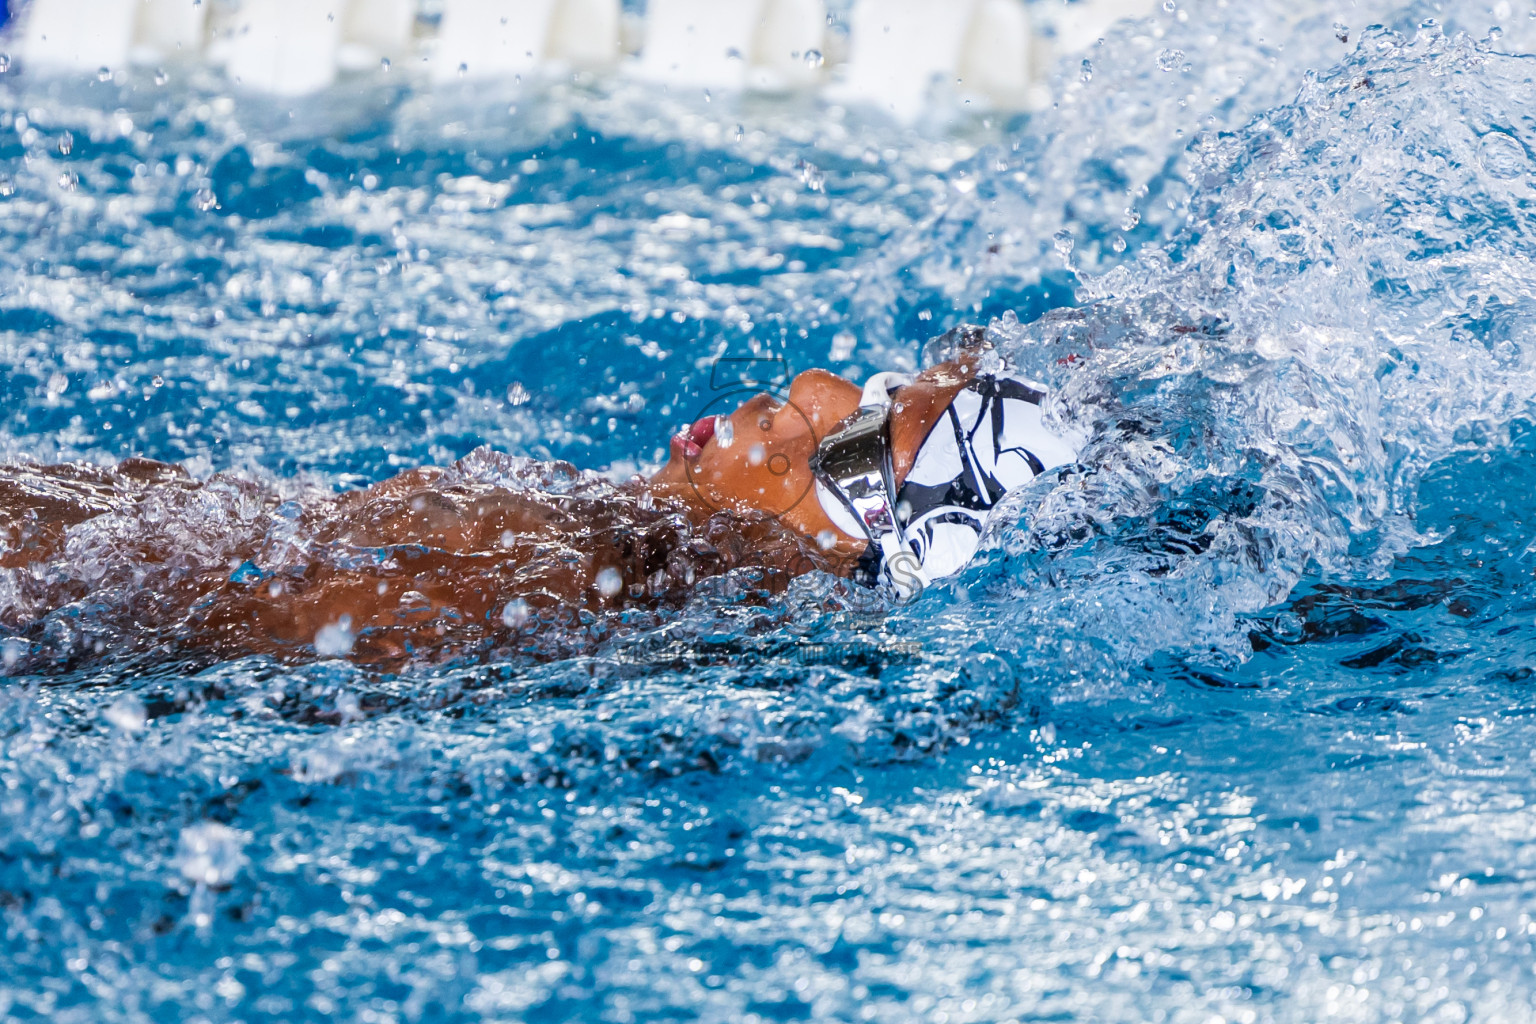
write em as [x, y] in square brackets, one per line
[887, 484]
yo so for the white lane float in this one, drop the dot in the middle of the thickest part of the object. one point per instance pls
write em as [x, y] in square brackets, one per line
[761, 44]
[169, 31]
[78, 35]
[903, 56]
[376, 30]
[284, 47]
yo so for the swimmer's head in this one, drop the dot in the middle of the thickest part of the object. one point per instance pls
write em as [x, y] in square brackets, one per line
[758, 457]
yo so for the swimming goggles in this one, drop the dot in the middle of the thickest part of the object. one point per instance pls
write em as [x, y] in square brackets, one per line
[854, 464]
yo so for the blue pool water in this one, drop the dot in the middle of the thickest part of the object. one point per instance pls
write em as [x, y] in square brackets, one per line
[1234, 724]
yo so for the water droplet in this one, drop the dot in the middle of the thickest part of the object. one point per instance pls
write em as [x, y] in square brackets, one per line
[126, 714]
[69, 181]
[707, 97]
[7, 187]
[1341, 31]
[103, 74]
[1118, 244]
[209, 853]
[463, 70]
[1085, 72]
[161, 77]
[843, 343]
[66, 144]
[517, 394]
[826, 540]
[755, 455]
[814, 59]
[158, 381]
[384, 64]
[515, 614]
[609, 582]
[5, 63]
[1064, 243]
[1170, 60]
[335, 640]
[1170, 6]
[725, 432]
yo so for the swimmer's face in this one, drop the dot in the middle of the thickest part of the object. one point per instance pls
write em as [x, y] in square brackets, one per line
[758, 457]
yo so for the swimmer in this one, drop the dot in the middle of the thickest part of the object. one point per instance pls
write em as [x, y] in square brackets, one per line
[887, 484]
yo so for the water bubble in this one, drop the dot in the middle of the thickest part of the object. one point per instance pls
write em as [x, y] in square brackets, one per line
[1170, 60]
[517, 394]
[814, 59]
[515, 614]
[319, 765]
[1502, 155]
[336, 639]
[127, 714]
[609, 582]
[725, 432]
[209, 853]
